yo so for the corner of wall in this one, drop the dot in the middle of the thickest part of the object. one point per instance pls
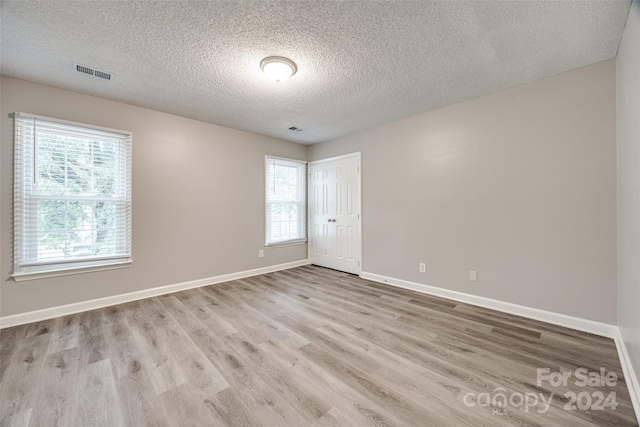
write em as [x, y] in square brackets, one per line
[628, 197]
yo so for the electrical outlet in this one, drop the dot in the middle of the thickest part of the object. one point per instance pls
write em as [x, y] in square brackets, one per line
[473, 276]
[260, 253]
[423, 267]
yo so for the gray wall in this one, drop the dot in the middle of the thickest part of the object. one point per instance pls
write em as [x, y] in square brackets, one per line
[628, 117]
[198, 199]
[519, 185]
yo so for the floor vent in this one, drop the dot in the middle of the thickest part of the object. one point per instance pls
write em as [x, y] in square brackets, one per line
[92, 72]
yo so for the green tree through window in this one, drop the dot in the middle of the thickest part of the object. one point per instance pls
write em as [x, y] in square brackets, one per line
[72, 194]
[285, 200]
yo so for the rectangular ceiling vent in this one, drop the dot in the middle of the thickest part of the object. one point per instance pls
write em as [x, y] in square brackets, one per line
[92, 71]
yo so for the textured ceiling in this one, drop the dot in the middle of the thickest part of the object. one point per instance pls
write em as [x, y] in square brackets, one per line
[360, 63]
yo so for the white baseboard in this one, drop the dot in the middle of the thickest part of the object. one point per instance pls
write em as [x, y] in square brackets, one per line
[598, 328]
[64, 310]
[630, 376]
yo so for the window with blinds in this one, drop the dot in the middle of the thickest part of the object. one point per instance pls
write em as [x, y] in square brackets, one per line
[286, 201]
[72, 196]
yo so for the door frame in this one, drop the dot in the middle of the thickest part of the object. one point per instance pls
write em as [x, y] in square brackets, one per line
[358, 156]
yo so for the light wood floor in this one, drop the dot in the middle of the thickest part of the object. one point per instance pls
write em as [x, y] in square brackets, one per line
[302, 347]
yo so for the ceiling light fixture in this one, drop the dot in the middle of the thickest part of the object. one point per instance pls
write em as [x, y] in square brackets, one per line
[278, 68]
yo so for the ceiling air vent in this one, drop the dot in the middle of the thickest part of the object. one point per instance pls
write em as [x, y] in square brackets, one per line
[295, 129]
[103, 75]
[92, 72]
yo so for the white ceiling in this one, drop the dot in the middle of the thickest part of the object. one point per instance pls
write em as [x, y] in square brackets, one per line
[360, 63]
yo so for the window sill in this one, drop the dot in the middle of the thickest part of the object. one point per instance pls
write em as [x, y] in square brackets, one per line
[44, 274]
[284, 244]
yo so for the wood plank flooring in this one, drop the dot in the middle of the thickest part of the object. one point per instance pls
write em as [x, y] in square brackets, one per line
[304, 347]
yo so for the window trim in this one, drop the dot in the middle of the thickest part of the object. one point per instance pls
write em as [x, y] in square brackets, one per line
[25, 270]
[290, 242]
[86, 268]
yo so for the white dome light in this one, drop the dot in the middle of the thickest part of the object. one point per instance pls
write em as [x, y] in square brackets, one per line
[278, 68]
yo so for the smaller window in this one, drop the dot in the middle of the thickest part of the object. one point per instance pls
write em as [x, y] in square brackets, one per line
[286, 201]
[72, 196]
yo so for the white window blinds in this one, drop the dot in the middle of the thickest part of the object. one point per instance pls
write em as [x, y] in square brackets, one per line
[72, 195]
[286, 200]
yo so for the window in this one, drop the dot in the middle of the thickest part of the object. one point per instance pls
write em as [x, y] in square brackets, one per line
[72, 196]
[286, 198]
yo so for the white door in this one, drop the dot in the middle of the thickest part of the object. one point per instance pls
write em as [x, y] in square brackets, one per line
[334, 213]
